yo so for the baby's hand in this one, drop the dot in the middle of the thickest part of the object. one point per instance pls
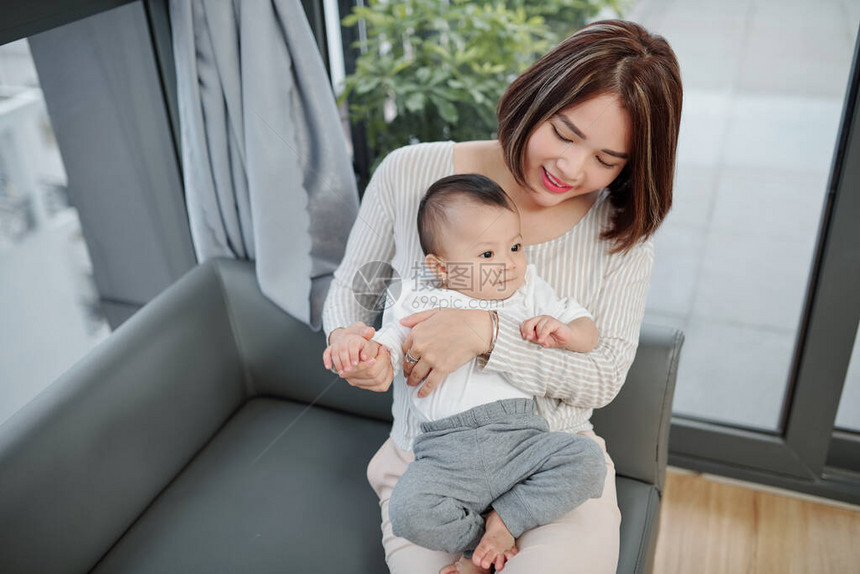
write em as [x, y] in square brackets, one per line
[347, 350]
[546, 331]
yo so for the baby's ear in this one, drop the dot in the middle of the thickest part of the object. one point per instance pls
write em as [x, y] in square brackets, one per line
[437, 266]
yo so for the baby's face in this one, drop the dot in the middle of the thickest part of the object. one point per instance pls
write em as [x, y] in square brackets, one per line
[482, 247]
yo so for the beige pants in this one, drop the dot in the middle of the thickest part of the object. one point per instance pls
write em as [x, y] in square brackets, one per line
[583, 540]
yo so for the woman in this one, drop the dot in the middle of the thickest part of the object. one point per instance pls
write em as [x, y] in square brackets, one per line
[586, 149]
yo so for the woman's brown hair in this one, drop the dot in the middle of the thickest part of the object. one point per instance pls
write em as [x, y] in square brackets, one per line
[607, 57]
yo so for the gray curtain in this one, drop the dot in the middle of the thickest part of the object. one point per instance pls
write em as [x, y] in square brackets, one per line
[266, 169]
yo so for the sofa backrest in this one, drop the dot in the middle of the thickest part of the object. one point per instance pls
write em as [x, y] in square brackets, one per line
[283, 356]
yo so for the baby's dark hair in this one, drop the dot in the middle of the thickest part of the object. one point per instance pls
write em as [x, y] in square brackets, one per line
[432, 212]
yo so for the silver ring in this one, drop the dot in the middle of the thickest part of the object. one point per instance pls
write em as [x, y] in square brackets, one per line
[410, 359]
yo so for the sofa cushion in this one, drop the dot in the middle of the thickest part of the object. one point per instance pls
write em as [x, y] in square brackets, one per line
[280, 488]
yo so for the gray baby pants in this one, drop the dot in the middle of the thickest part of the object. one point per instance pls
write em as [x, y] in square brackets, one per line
[498, 455]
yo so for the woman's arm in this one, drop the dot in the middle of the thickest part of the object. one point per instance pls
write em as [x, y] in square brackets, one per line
[584, 335]
[584, 380]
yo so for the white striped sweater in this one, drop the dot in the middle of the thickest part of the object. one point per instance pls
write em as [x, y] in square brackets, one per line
[567, 386]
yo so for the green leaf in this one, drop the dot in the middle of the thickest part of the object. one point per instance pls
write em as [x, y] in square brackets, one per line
[423, 75]
[400, 66]
[437, 50]
[447, 110]
[350, 20]
[415, 102]
[365, 85]
[439, 74]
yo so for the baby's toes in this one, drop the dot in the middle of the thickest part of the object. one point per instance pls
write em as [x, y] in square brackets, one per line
[479, 555]
[488, 559]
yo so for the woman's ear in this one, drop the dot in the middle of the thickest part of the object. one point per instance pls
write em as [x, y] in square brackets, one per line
[437, 267]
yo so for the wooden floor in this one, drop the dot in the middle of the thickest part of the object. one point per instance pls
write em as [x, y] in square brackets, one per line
[710, 527]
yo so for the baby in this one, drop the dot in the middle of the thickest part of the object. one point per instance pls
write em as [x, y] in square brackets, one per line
[482, 445]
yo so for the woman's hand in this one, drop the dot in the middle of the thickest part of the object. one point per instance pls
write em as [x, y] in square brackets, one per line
[368, 371]
[346, 347]
[350, 355]
[374, 374]
[443, 340]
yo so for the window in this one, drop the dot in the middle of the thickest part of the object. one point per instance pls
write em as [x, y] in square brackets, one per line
[48, 299]
[104, 71]
[763, 97]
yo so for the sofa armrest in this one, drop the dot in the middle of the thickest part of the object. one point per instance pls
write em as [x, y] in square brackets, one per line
[636, 424]
[84, 459]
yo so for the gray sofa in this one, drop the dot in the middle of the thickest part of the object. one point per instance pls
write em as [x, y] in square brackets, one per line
[205, 436]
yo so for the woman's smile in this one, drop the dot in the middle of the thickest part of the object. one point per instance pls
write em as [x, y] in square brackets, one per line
[553, 184]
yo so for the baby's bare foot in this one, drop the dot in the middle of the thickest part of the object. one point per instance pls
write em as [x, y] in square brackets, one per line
[497, 544]
[463, 566]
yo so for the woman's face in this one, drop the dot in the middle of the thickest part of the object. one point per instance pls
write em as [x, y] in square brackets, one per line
[581, 149]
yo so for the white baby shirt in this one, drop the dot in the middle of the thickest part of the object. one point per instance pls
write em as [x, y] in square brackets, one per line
[468, 386]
